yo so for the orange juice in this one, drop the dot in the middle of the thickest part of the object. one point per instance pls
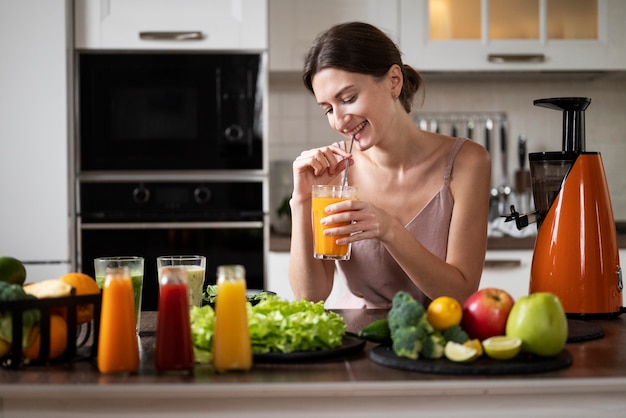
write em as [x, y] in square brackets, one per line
[117, 343]
[326, 247]
[232, 349]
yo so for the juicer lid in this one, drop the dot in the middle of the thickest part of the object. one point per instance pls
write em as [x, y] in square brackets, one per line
[573, 109]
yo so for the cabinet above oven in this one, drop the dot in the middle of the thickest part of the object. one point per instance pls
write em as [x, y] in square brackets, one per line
[166, 25]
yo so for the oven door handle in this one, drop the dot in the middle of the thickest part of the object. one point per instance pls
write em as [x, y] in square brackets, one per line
[174, 225]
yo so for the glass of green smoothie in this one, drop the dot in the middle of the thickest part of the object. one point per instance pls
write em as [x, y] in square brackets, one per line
[134, 265]
[195, 266]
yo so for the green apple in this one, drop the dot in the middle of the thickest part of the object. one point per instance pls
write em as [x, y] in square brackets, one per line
[540, 322]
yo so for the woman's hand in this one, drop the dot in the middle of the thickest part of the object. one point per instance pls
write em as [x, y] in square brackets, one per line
[366, 221]
[317, 166]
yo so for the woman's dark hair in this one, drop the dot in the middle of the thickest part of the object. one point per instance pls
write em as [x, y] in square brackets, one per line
[360, 48]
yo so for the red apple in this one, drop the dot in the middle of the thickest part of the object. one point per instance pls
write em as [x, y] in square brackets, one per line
[485, 313]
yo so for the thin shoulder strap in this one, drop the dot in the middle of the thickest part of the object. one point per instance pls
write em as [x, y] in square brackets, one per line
[455, 149]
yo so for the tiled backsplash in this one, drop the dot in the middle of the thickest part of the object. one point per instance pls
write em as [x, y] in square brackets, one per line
[296, 122]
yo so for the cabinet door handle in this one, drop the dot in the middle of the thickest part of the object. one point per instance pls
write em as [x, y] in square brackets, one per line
[515, 58]
[507, 263]
[172, 36]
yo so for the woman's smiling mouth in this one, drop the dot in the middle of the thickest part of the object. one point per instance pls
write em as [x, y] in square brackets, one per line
[358, 129]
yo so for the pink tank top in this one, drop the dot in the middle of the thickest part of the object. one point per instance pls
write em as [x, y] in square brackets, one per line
[372, 275]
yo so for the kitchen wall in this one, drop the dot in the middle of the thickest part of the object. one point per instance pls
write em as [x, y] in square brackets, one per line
[296, 123]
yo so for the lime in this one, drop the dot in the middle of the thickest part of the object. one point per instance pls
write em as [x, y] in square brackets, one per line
[459, 353]
[12, 271]
[502, 347]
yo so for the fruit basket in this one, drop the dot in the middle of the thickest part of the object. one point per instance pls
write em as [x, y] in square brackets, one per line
[82, 339]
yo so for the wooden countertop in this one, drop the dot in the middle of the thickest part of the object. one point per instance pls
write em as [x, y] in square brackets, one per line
[595, 384]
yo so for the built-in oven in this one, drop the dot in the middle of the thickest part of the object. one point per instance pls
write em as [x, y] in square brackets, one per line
[169, 159]
[223, 221]
[170, 111]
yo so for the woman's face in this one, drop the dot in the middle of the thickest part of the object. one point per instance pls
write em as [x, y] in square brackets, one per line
[356, 104]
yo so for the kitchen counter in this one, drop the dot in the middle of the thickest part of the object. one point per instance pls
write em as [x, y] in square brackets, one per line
[281, 242]
[594, 385]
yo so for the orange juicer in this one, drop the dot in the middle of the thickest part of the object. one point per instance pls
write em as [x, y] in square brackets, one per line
[576, 256]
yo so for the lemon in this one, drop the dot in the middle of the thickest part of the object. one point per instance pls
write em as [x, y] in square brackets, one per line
[502, 347]
[444, 312]
[12, 270]
[459, 353]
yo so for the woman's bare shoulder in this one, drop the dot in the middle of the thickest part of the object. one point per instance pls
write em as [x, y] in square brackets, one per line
[472, 153]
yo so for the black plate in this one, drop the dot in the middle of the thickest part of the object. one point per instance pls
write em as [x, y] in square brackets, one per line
[351, 345]
[521, 364]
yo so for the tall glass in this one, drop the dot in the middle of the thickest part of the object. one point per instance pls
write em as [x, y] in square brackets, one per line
[326, 247]
[195, 265]
[135, 267]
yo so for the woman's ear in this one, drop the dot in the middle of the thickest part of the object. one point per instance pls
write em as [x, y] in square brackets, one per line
[394, 76]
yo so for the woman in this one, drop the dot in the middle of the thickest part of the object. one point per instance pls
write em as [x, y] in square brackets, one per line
[420, 221]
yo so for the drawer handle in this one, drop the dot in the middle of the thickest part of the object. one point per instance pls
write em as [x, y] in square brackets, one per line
[502, 263]
[515, 58]
[172, 36]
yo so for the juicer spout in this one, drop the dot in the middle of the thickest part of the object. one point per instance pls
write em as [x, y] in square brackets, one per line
[522, 220]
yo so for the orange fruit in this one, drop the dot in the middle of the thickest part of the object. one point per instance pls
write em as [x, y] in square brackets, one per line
[5, 346]
[58, 339]
[84, 285]
[444, 312]
[475, 344]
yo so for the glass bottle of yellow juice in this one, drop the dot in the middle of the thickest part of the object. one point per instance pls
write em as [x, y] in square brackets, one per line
[232, 349]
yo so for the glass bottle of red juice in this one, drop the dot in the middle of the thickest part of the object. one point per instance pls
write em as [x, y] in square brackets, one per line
[174, 350]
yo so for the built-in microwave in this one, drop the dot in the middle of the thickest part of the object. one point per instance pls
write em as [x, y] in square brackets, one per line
[169, 111]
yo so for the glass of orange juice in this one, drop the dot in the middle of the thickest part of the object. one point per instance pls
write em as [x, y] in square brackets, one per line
[324, 247]
[134, 265]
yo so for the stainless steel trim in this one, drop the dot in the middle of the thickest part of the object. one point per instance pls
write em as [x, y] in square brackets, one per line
[173, 225]
[172, 36]
[516, 58]
[171, 176]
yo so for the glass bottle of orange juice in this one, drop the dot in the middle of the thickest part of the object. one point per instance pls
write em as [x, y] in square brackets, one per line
[118, 351]
[232, 349]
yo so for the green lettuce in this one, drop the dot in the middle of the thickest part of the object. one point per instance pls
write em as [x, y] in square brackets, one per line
[276, 326]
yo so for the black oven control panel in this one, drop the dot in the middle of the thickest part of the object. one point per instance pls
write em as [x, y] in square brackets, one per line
[171, 201]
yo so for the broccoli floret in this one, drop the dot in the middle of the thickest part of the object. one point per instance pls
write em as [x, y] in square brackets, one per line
[455, 333]
[10, 292]
[423, 322]
[400, 298]
[405, 311]
[14, 292]
[434, 346]
[408, 341]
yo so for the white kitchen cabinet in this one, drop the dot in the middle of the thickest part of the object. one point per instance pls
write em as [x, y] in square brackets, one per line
[508, 270]
[504, 269]
[435, 35]
[294, 24]
[278, 280]
[166, 24]
[34, 220]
